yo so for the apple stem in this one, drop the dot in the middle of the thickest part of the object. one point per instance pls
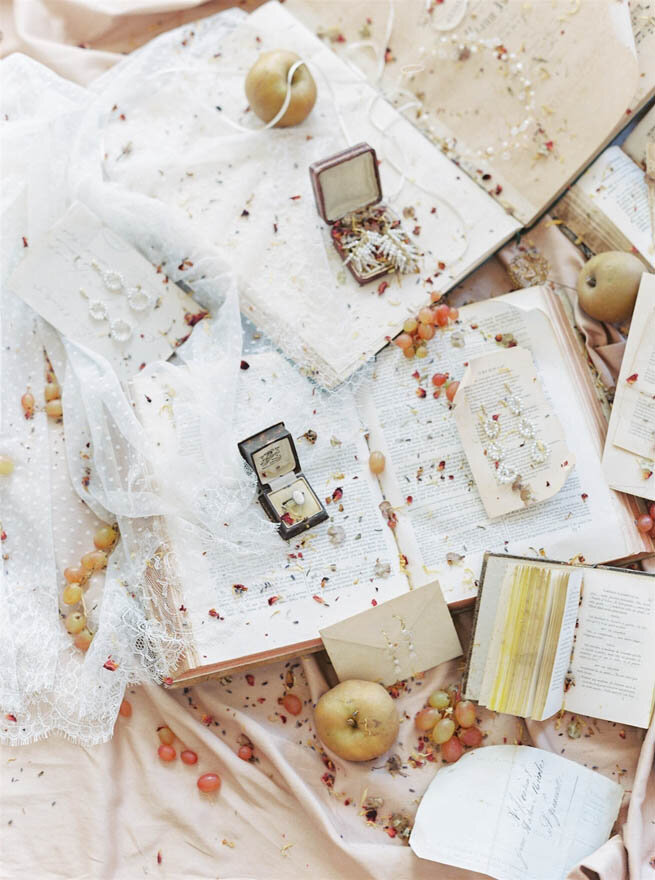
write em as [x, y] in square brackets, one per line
[591, 281]
[352, 721]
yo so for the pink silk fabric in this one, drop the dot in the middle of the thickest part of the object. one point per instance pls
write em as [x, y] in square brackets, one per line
[116, 811]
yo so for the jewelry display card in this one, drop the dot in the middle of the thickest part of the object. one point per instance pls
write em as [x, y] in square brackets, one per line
[400, 638]
[513, 440]
[99, 292]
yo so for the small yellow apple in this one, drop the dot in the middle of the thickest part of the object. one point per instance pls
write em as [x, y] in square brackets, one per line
[357, 719]
[608, 285]
[266, 87]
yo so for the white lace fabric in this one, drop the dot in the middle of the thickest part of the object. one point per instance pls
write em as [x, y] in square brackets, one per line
[68, 480]
[100, 466]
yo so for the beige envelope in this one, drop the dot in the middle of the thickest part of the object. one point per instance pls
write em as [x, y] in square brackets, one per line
[394, 640]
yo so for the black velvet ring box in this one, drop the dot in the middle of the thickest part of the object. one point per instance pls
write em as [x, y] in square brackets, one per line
[282, 488]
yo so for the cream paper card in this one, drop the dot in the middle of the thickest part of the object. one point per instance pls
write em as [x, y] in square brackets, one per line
[394, 640]
[98, 291]
[635, 430]
[629, 454]
[513, 440]
[515, 812]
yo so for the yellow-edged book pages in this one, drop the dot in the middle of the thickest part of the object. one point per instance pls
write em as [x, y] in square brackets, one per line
[551, 636]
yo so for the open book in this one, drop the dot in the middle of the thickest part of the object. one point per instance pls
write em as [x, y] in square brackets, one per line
[248, 189]
[270, 598]
[629, 456]
[612, 206]
[535, 815]
[509, 90]
[442, 527]
[550, 636]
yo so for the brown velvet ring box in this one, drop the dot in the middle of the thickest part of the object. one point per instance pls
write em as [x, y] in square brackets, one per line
[282, 488]
[348, 196]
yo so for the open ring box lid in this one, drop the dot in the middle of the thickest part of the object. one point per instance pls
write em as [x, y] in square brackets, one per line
[272, 455]
[346, 182]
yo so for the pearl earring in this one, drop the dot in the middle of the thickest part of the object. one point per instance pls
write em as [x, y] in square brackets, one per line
[120, 330]
[506, 474]
[513, 402]
[490, 425]
[526, 429]
[97, 308]
[137, 299]
[112, 279]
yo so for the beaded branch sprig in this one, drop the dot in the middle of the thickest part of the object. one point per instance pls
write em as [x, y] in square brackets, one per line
[373, 240]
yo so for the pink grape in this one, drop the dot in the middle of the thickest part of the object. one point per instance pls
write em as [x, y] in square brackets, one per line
[188, 756]
[442, 315]
[125, 709]
[472, 736]
[292, 704]
[166, 753]
[209, 782]
[645, 523]
[403, 341]
[451, 391]
[426, 719]
[452, 750]
[465, 713]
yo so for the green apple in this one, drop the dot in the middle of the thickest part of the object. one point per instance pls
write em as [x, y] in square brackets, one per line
[357, 720]
[266, 87]
[608, 285]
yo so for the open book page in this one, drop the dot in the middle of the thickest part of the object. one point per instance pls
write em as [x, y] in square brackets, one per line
[560, 663]
[513, 440]
[613, 666]
[624, 470]
[244, 589]
[636, 142]
[535, 814]
[442, 526]
[250, 193]
[643, 28]
[613, 196]
[635, 427]
[491, 82]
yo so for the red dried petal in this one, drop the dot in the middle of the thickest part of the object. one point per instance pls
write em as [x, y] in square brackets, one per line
[110, 664]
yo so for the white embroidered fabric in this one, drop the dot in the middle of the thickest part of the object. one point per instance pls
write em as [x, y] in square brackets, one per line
[98, 466]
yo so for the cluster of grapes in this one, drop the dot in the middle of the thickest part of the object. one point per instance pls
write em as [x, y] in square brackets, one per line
[449, 722]
[51, 393]
[646, 522]
[417, 331]
[208, 782]
[76, 578]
